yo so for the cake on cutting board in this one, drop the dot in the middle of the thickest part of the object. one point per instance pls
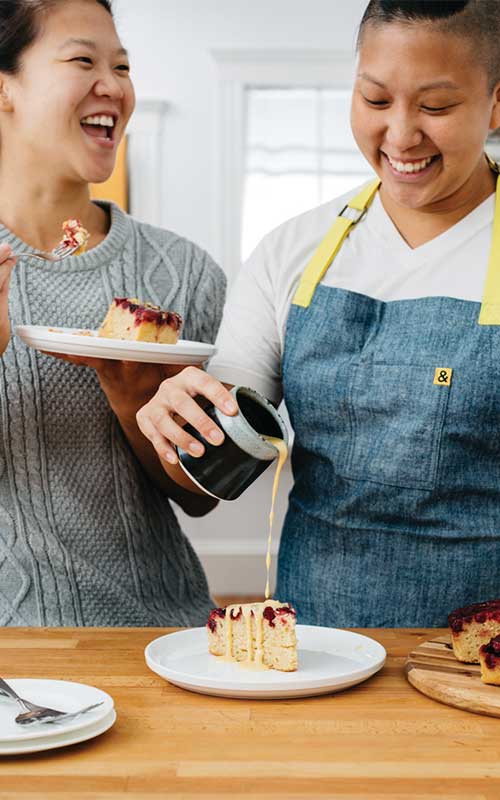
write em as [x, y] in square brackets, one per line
[489, 658]
[474, 626]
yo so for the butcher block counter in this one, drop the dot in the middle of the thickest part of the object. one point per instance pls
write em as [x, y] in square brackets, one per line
[379, 739]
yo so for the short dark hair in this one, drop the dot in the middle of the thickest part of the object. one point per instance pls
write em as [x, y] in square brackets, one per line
[475, 20]
[20, 24]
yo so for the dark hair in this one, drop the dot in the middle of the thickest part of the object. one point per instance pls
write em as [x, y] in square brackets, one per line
[478, 21]
[20, 22]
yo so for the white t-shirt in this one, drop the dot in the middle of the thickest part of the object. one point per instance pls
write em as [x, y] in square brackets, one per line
[374, 261]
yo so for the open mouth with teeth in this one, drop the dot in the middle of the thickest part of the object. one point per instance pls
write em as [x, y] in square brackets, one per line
[411, 167]
[100, 126]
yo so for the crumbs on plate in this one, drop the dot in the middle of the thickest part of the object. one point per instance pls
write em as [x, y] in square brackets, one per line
[73, 333]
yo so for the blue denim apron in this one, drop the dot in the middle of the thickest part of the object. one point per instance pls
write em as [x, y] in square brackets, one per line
[394, 517]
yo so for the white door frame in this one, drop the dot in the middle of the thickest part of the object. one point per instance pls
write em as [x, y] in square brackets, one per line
[146, 131]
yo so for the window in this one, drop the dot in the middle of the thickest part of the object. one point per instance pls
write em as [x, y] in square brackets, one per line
[299, 153]
[283, 142]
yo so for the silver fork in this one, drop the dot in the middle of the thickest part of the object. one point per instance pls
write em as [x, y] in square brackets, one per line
[57, 254]
[43, 714]
[48, 715]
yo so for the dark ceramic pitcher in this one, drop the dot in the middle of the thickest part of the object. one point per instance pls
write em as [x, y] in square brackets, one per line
[226, 470]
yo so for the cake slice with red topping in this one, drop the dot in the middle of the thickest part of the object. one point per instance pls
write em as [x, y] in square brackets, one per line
[74, 235]
[129, 318]
[489, 658]
[258, 635]
[473, 626]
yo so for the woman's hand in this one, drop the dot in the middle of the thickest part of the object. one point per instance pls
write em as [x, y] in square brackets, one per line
[7, 263]
[128, 384]
[161, 420]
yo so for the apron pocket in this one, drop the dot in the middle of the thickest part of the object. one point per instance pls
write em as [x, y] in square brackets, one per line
[396, 417]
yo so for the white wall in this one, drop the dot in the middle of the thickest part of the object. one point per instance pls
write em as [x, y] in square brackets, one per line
[171, 43]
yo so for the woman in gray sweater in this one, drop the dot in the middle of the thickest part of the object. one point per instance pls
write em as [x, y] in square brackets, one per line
[87, 532]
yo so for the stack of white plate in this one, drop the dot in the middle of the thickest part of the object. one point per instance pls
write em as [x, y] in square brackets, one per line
[63, 695]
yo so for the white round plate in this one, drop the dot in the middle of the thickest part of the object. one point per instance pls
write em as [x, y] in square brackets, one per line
[329, 660]
[60, 740]
[75, 342]
[63, 695]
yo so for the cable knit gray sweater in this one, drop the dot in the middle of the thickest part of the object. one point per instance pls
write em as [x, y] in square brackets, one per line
[85, 536]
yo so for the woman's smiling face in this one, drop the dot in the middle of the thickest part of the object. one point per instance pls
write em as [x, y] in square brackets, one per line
[421, 111]
[74, 75]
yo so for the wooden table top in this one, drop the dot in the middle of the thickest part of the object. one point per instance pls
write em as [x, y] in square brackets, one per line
[380, 739]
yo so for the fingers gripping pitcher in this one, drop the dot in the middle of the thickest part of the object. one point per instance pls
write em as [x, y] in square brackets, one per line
[251, 441]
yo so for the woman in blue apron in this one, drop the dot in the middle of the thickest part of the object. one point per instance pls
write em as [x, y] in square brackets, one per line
[381, 332]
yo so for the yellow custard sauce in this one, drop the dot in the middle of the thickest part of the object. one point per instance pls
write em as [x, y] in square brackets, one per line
[282, 449]
[253, 613]
[258, 635]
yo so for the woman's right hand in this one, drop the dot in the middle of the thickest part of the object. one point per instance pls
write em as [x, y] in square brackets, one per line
[162, 419]
[7, 263]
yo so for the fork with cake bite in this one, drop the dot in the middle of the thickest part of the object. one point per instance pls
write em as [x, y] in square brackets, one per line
[74, 241]
[59, 253]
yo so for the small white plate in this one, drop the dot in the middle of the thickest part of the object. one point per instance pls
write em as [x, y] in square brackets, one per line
[75, 342]
[63, 695]
[329, 660]
[59, 740]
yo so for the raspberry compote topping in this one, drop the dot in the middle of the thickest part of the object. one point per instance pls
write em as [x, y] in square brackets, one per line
[493, 646]
[147, 312]
[74, 234]
[491, 652]
[215, 614]
[270, 614]
[478, 612]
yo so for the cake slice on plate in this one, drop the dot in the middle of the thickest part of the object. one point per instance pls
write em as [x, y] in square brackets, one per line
[129, 318]
[259, 635]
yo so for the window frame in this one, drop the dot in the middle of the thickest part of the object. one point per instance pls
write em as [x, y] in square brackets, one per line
[238, 70]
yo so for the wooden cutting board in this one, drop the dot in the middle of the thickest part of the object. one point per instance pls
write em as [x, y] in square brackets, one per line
[433, 669]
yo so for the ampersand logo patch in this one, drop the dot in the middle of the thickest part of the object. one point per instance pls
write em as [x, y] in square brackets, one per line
[442, 376]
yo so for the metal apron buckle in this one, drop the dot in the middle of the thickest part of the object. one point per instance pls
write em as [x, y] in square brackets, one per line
[354, 215]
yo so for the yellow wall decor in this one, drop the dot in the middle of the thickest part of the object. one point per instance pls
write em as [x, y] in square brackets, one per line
[116, 187]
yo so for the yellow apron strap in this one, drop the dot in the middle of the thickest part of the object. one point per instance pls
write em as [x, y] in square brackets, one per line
[331, 244]
[490, 307]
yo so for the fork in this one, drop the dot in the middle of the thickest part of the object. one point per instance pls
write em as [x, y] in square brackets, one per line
[48, 715]
[43, 714]
[57, 254]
